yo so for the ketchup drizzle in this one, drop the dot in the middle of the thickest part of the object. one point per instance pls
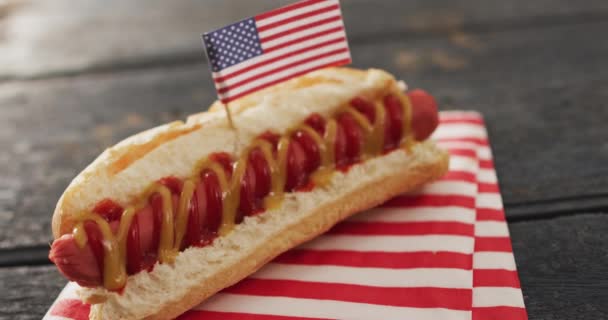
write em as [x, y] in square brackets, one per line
[205, 208]
[109, 210]
[95, 239]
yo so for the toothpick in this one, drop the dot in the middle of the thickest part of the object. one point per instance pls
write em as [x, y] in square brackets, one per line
[233, 127]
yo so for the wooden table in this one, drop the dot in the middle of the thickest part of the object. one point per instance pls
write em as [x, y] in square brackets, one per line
[77, 77]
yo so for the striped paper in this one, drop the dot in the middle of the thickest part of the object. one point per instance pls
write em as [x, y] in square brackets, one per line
[441, 253]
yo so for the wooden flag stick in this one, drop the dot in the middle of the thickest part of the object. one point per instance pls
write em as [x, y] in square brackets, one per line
[232, 126]
[229, 114]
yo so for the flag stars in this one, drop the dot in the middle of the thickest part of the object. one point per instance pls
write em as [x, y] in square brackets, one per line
[232, 44]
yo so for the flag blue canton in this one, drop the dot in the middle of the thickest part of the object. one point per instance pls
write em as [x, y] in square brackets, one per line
[232, 44]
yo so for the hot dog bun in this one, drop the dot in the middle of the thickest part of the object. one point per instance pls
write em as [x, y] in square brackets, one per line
[123, 171]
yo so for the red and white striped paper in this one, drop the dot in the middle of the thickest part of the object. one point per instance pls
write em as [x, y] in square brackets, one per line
[442, 253]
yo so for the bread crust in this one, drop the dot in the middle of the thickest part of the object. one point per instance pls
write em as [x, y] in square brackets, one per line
[365, 196]
[107, 175]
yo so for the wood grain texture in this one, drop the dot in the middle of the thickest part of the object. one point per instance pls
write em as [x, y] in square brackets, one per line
[536, 69]
[24, 256]
[118, 34]
[545, 106]
[543, 93]
[28, 292]
[562, 265]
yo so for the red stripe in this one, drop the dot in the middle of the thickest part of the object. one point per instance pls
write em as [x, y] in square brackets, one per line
[279, 69]
[302, 39]
[431, 201]
[495, 278]
[403, 228]
[470, 153]
[471, 120]
[278, 58]
[331, 64]
[499, 313]
[284, 9]
[424, 297]
[215, 315]
[486, 164]
[71, 308]
[478, 141]
[393, 260]
[485, 214]
[460, 176]
[300, 28]
[488, 188]
[499, 244]
[300, 17]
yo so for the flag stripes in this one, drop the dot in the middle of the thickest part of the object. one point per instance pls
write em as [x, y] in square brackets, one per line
[286, 42]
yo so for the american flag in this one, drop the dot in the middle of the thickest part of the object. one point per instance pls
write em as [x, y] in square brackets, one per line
[275, 46]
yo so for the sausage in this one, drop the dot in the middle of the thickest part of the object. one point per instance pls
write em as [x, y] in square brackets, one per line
[365, 107]
[353, 140]
[247, 203]
[140, 245]
[75, 263]
[296, 166]
[145, 220]
[394, 122]
[311, 149]
[82, 264]
[425, 118]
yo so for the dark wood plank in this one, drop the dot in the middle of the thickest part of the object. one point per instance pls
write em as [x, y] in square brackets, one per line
[27, 292]
[542, 91]
[39, 39]
[562, 266]
[24, 256]
[543, 94]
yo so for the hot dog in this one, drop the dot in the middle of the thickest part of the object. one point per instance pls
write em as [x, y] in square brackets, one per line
[308, 152]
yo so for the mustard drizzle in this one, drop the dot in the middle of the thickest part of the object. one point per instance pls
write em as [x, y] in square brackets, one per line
[173, 228]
